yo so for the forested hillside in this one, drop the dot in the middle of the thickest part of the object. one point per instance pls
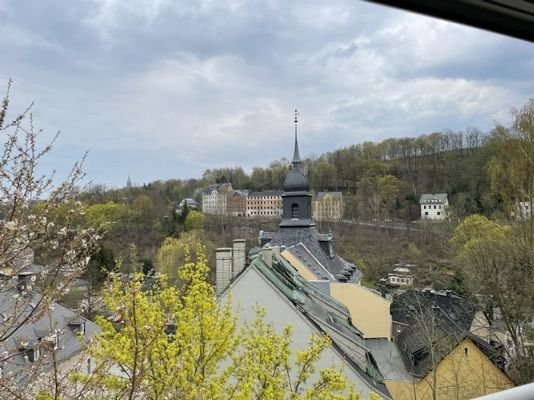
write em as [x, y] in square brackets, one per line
[378, 180]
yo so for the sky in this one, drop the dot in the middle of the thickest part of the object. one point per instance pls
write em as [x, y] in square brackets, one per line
[163, 89]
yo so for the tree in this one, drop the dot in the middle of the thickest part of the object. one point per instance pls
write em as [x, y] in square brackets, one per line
[512, 169]
[181, 344]
[500, 272]
[174, 252]
[194, 221]
[32, 221]
[104, 215]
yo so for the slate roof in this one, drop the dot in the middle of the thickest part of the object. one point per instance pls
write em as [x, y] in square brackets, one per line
[327, 314]
[309, 237]
[217, 186]
[434, 198]
[389, 359]
[58, 321]
[266, 193]
[436, 319]
[296, 181]
[307, 258]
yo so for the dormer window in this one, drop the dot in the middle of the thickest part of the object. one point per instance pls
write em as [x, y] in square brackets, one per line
[32, 355]
[78, 327]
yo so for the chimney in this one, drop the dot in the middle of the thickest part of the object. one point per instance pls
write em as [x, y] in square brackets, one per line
[267, 256]
[238, 257]
[223, 269]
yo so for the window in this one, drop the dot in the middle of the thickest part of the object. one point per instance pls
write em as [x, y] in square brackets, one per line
[426, 213]
[439, 213]
[294, 210]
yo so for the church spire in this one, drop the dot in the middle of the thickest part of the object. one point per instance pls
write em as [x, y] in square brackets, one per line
[296, 156]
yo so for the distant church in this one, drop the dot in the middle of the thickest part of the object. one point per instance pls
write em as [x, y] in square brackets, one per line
[298, 234]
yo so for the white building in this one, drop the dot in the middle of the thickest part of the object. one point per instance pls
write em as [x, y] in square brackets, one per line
[400, 276]
[434, 206]
[271, 282]
[214, 198]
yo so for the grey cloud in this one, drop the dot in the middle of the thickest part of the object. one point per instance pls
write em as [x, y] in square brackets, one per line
[202, 84]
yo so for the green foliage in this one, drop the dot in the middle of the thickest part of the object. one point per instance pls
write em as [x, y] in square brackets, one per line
[499, 270]
[173, 253]
[179, 343]
[102, 215]
[194, 221]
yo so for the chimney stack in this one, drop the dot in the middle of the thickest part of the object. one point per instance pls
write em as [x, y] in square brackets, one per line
[267, 256]
[223, 269]
[238, 257]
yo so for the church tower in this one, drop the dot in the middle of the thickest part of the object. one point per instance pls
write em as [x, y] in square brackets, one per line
[296, 200]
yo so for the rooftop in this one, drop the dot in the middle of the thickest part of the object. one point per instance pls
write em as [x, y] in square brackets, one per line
[327, 314]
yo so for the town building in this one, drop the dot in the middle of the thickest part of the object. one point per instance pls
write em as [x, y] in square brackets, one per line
[271, 282]
[328, 206]
[440, 349]
[36, 339]
[297, 227]
[236, 203]
[402, 276]
[214, 198]
[434, 206]
[266, 204]
[369, 311]
[192, 204]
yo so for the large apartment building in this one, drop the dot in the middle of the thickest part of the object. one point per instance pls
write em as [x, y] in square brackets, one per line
[214, 198]
[264, 204]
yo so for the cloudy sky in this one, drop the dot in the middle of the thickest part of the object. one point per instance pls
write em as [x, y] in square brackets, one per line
[161, 89]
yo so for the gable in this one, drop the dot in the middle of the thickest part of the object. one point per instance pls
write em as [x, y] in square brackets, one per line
[465, 371]
[252, 289]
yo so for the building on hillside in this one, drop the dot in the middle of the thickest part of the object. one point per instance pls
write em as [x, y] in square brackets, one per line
[192, 204]
[402, 276]
[236, 203]
[44, 339]
[328, 206]
[434, 206]
[214, 198]
[266, 204]
[443, 340]
[298, 227]
[271, 282]
[465, 368]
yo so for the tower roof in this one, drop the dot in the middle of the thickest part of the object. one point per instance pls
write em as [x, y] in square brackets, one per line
[296, 181]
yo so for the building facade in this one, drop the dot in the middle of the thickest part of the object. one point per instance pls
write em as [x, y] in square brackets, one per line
[236, 203]
[214, 198]
[434, 206]
[328, 206]
[264, 204]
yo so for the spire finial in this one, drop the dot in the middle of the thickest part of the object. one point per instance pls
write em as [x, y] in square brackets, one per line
[296, 155]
